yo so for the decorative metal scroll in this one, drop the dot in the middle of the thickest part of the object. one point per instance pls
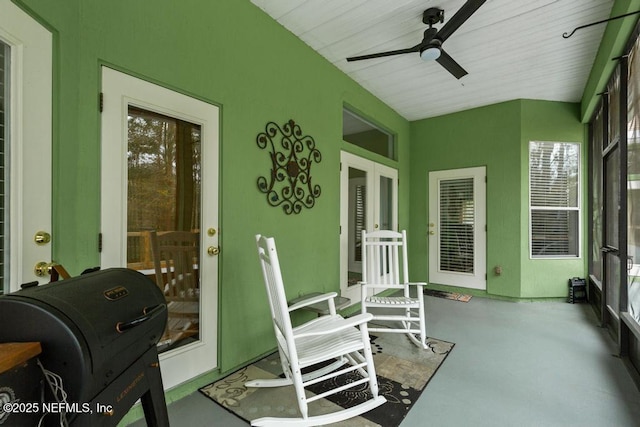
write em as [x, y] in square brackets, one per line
[292, 155]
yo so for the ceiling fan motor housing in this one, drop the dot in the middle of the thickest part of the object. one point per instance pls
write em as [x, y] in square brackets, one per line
[432, 16]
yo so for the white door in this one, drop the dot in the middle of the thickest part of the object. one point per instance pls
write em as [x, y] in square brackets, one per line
[160, 174]
[457, 227]
[25, 137]
[369, 201]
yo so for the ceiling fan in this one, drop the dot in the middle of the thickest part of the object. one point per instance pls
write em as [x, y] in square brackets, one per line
[430, 47]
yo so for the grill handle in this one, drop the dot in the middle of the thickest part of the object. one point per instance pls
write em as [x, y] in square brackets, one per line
[148, 315]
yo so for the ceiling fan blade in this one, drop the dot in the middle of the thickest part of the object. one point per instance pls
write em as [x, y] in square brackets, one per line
[461, 16]
[451, 65]
[415, 48]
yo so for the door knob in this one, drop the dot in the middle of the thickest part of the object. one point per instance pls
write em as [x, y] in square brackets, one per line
[431, 233]
[213, 251]
[42, 238]
[43, 269]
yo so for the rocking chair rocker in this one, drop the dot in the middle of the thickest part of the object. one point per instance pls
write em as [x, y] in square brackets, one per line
[380, 272]
[344, 343]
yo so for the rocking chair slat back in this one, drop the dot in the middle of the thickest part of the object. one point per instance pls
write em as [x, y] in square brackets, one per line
[385, 268]
[275, 290]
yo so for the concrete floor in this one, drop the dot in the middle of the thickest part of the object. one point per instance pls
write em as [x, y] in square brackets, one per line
[514, 364]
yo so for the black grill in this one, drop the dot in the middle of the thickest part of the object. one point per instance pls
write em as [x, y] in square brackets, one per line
[98, 333]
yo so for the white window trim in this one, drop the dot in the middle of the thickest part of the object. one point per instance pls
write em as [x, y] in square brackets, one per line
[578, 208]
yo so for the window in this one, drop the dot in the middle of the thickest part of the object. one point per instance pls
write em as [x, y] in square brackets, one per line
[360, 132]
[457, 212]
[554, 199]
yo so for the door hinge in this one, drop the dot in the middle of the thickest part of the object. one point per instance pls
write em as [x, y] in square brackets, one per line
[101, 102]
[99, 242]
[340, 229]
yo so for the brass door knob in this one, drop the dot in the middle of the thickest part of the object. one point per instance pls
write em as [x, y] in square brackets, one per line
[213, 251]
[43, 269]
[431, 233]
[42, 238]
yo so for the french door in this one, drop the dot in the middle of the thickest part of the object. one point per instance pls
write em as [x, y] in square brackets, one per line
[25, 147]
[457, 228]
[368, 201]
[160, 179]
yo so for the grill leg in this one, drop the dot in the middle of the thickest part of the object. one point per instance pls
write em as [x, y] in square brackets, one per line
[153, 402]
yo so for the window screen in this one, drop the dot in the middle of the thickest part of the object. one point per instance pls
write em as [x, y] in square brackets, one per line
[554, 198]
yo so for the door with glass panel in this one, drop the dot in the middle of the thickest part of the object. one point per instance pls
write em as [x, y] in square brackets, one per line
[457, 228]
[25, 147]
[159, 210]
[369, 202]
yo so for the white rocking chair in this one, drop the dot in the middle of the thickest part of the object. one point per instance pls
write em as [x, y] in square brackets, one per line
[329, 338]
[380, 272]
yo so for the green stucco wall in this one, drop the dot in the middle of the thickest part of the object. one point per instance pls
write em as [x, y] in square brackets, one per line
[560, 122]
[487, 136]
[497, 137]
[229, 53]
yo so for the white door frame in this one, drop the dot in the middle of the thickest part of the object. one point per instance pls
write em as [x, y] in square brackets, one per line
[121, 90]
[374, 172]
[477, 279]
[30, 121]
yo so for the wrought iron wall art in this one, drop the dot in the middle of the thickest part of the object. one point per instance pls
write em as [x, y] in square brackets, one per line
[292, 154]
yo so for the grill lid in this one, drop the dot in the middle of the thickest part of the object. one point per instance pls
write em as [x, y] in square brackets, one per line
[119, 313]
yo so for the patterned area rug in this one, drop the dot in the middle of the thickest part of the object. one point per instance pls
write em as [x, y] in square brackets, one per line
[403, 372]
[447, 295]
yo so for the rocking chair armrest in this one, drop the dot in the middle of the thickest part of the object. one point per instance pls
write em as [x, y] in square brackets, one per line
[382, 285]
[397, 286]
[349, 322]
[313, 299]
[417, 283]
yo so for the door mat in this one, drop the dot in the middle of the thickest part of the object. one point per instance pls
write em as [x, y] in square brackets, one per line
[447, 295]
[403, 372]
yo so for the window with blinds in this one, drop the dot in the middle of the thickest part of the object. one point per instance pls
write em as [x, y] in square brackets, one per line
[360, 218]
[554, 187]
[457, 221]
[4, 137]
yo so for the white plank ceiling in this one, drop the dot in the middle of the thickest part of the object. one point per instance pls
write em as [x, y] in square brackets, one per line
[511, 49]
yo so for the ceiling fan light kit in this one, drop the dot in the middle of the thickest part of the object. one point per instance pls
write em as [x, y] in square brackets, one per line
[430, 53]
[430, 48]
